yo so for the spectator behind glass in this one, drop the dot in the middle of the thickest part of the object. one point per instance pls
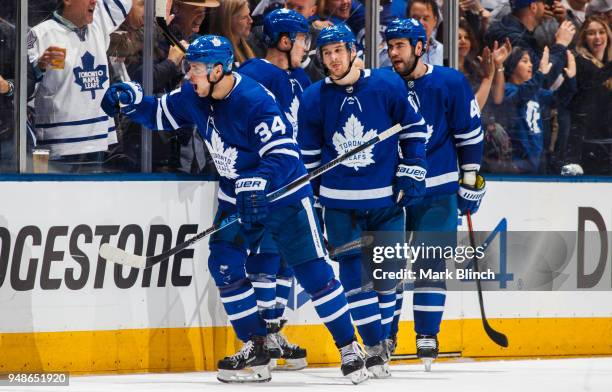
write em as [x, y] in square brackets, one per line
[519, 27]
[524, 101]
[427, 12]
[601, 8]
[485, 73]
[69, 54]
[126, 58]
[590, 143]
[232, 20]
[187, 16]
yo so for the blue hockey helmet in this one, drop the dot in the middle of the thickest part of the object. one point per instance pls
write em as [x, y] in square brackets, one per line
[211, 50]
[334, 34]
[410, 29]
[283, 21]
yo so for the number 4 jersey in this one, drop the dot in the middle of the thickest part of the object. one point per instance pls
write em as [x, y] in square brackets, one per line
[454, 136]
[246, 134]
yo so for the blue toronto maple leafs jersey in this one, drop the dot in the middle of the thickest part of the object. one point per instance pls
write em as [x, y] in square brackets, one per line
[287, 86]
[335, 119]
[522, 118]
[246, 134]
[454, 136]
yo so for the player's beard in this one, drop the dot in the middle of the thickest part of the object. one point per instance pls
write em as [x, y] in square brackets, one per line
[407, 67]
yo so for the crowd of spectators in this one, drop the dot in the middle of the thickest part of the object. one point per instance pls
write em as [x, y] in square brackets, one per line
[540, 70]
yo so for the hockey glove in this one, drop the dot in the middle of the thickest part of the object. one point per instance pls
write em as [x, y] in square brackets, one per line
[410, 181]
[472, 188]
[251, 199]
[120, 96]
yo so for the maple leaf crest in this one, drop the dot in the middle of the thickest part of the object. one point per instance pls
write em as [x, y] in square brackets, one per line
[90, 78]
[354, 137]
[292, 115]
[224, 158]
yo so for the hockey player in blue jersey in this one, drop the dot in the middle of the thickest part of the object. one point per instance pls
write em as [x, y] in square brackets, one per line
[454, 151]
[285, 34]
[254, 154]
[336, 114]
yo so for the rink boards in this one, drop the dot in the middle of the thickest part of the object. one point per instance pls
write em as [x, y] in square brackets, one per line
[63, 308]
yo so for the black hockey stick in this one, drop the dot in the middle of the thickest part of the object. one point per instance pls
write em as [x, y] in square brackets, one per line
[160, 18]
[497, 337]
[120, 256]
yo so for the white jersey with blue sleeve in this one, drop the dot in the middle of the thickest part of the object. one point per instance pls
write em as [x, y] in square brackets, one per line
[246, 134]
[68, 118]
[287, 86]
[335, 119]
[454, 135]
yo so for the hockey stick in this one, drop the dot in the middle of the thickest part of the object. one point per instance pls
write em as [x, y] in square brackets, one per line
[356, 244]
[497, 337]
[160, 18]
[120, 256]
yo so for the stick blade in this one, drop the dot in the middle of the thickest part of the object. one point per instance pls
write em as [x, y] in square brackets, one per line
[499, 338]
[119, 256]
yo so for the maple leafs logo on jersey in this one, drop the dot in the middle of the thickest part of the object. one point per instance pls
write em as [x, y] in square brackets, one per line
[292, 115]
[224, 158]
[354, 137]
[90, 78]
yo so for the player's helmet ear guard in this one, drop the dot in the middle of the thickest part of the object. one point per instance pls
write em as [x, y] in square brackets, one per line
[334, 34]
[283, 21]
[211, 50]
[410, 29]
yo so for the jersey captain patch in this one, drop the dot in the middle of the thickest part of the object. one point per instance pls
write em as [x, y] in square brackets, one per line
[353, 137]
[90, 78]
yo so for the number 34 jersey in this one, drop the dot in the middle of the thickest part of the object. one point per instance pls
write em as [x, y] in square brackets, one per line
[246, 134]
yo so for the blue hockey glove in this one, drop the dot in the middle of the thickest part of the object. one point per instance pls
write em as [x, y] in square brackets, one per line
[410, 181]
[472, 188]
[251, 200]
[121, 95]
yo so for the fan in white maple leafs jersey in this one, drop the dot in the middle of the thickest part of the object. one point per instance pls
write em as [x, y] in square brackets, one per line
[334, 119]
[256, 141]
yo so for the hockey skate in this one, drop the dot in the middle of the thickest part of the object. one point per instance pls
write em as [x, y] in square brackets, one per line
[272, 344]
[427, 349]
[293, 355]
[377, 361]
[353, 364]
[250, 364]
[391, 343]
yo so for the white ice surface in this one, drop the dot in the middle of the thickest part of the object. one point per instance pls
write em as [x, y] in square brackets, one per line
[550, 375]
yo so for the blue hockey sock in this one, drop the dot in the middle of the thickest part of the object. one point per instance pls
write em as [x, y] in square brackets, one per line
[327, 295]
[428, 307]
[362, 299]
[226, 265]
[283, 289]
[397, 314]
[386, 303]
[261, 269]
[366, 315]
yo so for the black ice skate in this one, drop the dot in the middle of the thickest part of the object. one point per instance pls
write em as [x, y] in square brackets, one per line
[294, 355]
[391, 343]
[250, 364]
[377, 361]
[272, 344]
[427, 349]
[353, 364]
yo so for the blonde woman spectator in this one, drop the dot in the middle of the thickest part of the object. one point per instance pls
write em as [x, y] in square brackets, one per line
[232, 19]
[591, 132]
